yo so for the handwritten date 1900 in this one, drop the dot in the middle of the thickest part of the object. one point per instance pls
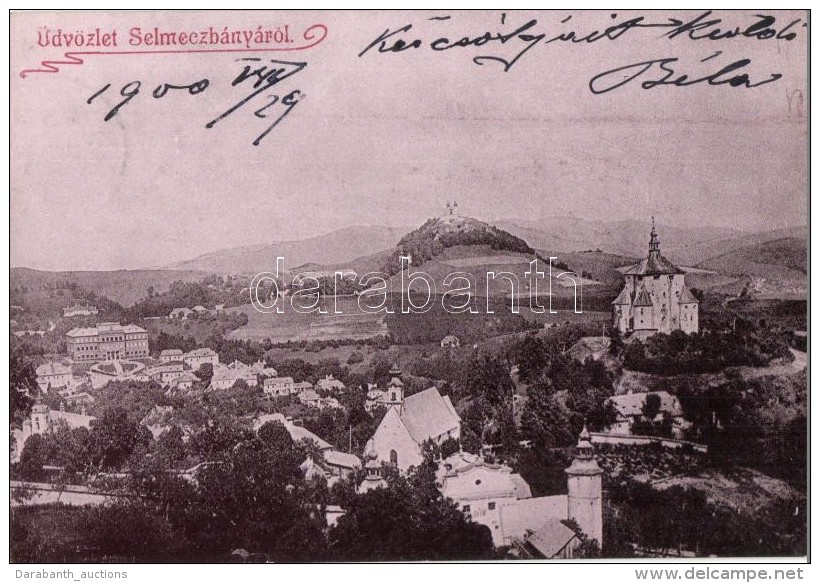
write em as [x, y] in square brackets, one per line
[262, 76]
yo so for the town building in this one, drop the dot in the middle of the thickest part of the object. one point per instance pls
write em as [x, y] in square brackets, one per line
[225, 377]
[496, 497]
[183, 382]
[309, 398]
[171, 355]
[43, 419]
[540, 527]
[330, 384]
[654, 298]
[106, 341]
[630, 408]
[180, 313]
[341, 464]
[373, 474]
[302, 386]
[54, 375]
[261, 368]
[78, 310]
[424, 416]
[199, 356]
[279, 386]
[164, 373]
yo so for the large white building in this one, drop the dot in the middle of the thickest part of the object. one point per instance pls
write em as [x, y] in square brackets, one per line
[654, 298]
[106, 341]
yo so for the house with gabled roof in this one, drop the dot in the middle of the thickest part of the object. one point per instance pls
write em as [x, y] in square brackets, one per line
[53, 375]
[199, 356]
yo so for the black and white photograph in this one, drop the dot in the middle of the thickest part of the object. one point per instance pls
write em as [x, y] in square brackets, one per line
[409, 286]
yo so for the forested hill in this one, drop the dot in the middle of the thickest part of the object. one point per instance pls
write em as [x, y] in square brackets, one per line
[438, 234]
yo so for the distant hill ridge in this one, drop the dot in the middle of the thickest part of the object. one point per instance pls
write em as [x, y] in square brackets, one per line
[338, 247]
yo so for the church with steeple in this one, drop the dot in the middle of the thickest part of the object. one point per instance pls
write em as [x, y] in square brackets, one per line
[654, 298]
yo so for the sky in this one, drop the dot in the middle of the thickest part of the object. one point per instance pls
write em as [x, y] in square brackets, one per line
[388, 138]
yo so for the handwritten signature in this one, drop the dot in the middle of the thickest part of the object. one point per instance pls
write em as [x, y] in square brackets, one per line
[665, 74]
[522, 38]
[261, 75]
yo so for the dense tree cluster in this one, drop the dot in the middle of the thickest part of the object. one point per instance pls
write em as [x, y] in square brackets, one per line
[250, 494]
[748, 344]
[407, 521]
[759, 423]
[487, 391]
[79, 452]
[660, 522]
[567, 395]
[208, 292]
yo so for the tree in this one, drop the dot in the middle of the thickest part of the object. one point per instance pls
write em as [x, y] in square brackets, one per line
[128, 528]
[275, 436]
[544, 420]
[34, 456]
[651, 406]
[171, 447]
[489, 377]
[533, 358]
[22, 384]
[205, 372]
[114, 439]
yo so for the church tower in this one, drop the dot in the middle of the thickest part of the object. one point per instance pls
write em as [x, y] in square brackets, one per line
[584, 503]
[395, 388]
[39, 415]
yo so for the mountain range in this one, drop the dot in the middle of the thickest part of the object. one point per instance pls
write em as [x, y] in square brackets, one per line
[596, 247]
[553, 236]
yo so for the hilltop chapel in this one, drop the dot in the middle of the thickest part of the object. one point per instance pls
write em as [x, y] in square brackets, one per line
[654, 298]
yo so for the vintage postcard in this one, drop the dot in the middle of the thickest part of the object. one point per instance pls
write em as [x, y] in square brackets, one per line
[381, 286]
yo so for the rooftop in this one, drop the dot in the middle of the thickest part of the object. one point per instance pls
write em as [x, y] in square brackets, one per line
[550, 539]
[427, 414]
[52, 368]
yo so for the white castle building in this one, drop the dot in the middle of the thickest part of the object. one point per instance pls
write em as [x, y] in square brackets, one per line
[654, 298]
